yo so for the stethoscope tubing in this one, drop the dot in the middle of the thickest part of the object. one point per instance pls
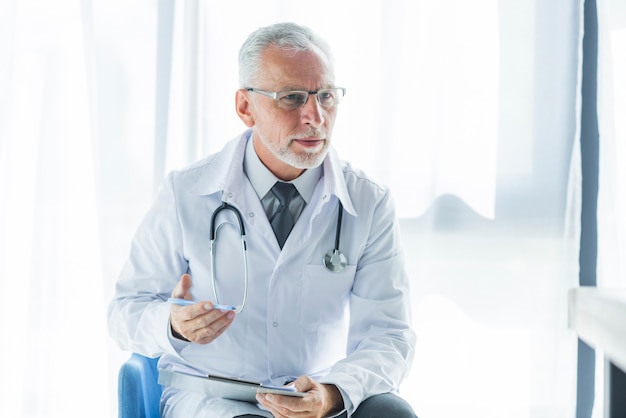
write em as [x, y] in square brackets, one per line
[334, 260]
[244, 247]
[339, 219]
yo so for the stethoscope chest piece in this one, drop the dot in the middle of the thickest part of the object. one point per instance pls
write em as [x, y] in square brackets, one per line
[335, 261]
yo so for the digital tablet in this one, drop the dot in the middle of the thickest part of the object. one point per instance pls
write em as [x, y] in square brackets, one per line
[223, 387]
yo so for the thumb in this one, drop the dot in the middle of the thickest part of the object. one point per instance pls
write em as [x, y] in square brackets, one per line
[182, 288]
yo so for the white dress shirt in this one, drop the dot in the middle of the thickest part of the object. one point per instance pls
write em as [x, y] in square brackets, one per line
[349, 328]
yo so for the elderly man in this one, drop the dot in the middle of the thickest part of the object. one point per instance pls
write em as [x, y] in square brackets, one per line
[308, 252]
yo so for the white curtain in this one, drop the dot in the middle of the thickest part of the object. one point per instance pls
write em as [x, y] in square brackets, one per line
[468, 111]
[76, 151]
[611, 266]
[612, 128]
[54, 349]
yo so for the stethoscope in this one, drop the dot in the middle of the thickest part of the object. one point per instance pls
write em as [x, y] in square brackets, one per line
[334, 260]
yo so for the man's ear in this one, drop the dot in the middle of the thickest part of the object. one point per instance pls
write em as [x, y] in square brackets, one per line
[243, 105]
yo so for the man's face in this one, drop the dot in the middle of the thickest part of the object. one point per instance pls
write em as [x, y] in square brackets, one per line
[288, 141]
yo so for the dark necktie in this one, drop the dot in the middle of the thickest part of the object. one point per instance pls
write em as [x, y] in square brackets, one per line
[282, 221]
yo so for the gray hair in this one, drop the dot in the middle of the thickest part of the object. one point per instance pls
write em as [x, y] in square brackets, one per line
[287, 36]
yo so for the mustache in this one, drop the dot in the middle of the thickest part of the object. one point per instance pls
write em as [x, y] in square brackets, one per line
[311, 132]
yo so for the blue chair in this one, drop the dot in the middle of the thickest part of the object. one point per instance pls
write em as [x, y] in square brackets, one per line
[138, 392]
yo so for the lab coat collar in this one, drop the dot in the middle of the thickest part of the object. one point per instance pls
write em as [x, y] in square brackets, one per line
[335, 182]
[222, 170]
[223, 173]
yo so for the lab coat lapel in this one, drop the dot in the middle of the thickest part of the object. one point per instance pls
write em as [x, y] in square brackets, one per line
[333, 183]
[224, 170]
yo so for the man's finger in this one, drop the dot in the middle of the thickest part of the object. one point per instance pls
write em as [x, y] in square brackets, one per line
[182, 288]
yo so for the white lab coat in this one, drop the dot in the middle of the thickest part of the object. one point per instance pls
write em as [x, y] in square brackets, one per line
[350, 328]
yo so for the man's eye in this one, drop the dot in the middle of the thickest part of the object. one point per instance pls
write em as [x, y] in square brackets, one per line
[326, 95]
[293, 97]
[292, 100]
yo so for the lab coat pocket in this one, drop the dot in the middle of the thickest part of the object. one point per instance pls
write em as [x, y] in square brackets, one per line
[325, 298]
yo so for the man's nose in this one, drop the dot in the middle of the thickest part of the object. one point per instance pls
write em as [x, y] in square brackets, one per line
[312, 112]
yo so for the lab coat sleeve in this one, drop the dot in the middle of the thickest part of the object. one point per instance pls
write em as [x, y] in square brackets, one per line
[138, 315]
[381, 342]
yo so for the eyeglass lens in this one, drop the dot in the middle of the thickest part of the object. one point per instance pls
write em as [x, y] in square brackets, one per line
[296, 99]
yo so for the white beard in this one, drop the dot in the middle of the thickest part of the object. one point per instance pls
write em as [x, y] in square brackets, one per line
[302, 161]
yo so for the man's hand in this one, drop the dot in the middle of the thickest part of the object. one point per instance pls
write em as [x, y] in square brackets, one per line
[320, 401]
[198, 323]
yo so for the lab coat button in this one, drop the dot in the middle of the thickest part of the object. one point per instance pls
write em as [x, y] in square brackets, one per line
[230, 195]
[251, 214]
[275, 324]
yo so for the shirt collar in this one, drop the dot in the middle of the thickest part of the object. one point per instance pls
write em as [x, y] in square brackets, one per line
[262, 179]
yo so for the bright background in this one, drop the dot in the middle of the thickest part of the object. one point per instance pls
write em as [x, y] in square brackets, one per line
[469, 111]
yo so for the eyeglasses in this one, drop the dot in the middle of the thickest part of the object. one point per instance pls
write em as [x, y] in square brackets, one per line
[295, 99]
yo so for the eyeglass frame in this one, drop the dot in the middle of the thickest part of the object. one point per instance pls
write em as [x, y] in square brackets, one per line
[274, 95]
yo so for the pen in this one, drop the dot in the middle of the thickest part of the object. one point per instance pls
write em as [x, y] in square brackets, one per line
[185, 302]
